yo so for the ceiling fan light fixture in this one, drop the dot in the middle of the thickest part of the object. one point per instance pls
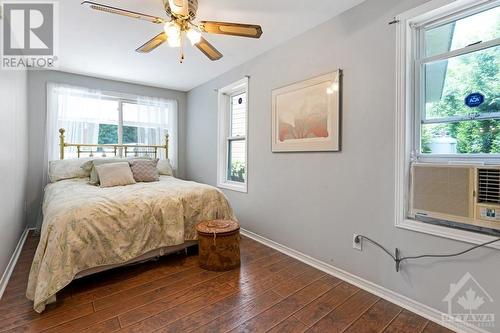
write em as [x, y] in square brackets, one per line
[194, 36]
[172, 29]
[174, 41]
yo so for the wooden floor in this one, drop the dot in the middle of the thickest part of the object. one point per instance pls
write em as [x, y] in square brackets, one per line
[271, 292]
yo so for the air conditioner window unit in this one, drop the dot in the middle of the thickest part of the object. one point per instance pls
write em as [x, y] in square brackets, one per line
[464, 194]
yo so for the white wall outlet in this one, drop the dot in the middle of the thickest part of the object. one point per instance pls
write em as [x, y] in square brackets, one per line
[356, 242]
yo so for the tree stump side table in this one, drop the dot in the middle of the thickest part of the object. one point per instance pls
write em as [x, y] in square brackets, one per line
[219, 245]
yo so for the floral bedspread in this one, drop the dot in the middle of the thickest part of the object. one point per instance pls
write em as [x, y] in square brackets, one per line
[86, 226]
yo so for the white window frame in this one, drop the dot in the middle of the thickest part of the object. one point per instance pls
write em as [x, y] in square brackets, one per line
[406, 116]
[224, 130]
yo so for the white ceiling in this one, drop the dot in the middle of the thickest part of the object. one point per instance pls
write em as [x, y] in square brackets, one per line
[102, 45]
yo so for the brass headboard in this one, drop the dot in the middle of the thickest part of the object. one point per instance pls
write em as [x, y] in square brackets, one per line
[114, 149]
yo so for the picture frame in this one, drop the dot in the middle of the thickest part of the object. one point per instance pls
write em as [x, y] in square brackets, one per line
[306, 115]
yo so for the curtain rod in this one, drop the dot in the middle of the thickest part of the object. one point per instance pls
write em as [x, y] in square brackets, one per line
[394, 21]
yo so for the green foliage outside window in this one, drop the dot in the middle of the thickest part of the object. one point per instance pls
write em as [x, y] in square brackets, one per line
[479, 72]
[448, 82]
[108, 134]
[237, 172]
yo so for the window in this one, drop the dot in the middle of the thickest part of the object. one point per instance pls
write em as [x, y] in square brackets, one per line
[232, 151]
[448, 102]
[457, 77]
[94, 117]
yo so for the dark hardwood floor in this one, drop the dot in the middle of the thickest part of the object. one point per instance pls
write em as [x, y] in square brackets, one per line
[271, 292]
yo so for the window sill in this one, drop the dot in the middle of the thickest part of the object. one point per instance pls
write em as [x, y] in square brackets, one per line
[233, 187]
[446, 232]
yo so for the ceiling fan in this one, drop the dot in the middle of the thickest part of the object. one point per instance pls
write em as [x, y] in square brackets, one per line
[180, 25]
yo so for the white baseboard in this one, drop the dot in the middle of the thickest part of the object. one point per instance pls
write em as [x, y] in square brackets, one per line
[13, 261]
[389, 295]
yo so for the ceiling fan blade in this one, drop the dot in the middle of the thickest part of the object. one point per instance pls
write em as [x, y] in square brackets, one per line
[208, 49]
[233, 29]
[153, 43]
[179, 7]
[123, 12]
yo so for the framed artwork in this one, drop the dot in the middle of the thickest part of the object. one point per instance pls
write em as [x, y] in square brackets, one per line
[306, 115]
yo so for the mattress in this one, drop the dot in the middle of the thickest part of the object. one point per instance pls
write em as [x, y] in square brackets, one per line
[86, 226]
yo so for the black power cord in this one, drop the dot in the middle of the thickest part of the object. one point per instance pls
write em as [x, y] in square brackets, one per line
[398, 260]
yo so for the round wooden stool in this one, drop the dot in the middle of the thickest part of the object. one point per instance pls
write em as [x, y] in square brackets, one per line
[218, 245]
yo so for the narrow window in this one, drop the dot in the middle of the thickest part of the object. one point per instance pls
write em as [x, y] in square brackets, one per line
[232, 156]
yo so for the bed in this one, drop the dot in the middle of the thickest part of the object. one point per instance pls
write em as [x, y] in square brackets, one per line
[87, 229]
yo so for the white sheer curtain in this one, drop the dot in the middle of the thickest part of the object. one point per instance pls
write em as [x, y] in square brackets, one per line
[80, 112]
[154, 118]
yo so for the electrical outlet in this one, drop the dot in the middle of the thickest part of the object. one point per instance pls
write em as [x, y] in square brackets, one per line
[356, 242]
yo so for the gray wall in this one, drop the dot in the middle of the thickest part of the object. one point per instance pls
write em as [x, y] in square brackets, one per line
[13, 161]
[314, 202]
[37, 105]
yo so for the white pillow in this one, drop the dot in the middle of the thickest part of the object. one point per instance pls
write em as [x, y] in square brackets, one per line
[115, 174]
[67, 169]
[165, 168]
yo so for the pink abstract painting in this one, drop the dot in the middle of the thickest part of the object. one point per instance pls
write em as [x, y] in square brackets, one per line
[306, 113]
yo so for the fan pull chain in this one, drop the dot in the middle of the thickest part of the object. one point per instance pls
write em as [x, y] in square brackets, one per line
[182, 49]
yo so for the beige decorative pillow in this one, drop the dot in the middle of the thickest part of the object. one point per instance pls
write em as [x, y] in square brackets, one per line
[144, 170]
[90, 165]
[165, 168]
[115, 174]
[67, 169]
